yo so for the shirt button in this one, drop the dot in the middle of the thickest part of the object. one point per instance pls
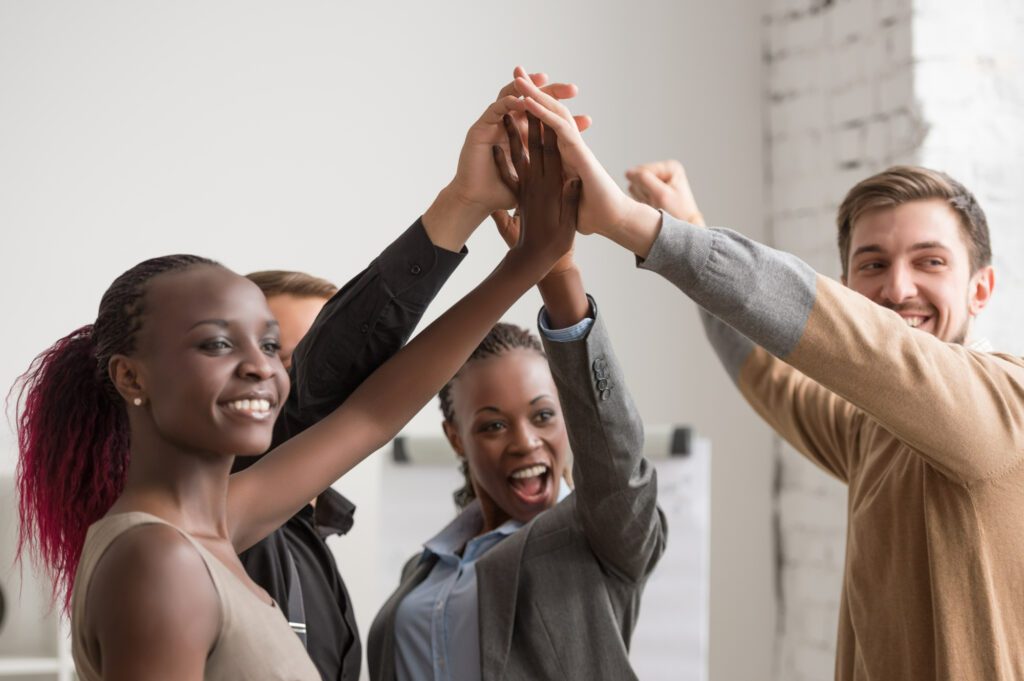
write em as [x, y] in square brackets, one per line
[605, 394]
[602, 384]
[415, 269]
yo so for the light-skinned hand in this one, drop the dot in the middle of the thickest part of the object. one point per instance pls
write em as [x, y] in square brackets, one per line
[664, 185]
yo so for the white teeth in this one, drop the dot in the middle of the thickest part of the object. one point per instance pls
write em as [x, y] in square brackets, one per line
[252, 406]
[913, 322]
[531, 472]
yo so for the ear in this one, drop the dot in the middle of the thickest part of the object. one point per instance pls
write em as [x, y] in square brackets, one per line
[454, 439]
[980, 289]
[125, 374]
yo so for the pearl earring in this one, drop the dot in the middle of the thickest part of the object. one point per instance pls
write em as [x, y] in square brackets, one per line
[137, 401]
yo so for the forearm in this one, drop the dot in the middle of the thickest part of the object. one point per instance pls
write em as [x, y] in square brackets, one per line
[637, 231]
[616, 487]
[949, 404]
[364, 324]
[565, 299]
[451, 219]
[379, 407]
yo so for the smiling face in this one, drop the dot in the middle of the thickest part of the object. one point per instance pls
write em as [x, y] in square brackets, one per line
[914, 259]
[207, 361]
[507, 423]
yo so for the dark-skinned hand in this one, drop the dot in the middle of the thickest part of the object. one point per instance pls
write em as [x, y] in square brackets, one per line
[532, 176]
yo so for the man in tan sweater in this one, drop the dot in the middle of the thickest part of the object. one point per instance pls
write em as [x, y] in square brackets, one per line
[926, 435]
[874, 379]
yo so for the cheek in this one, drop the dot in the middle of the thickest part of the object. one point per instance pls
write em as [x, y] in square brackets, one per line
[560, 445]
[483, 454]
[185, 403]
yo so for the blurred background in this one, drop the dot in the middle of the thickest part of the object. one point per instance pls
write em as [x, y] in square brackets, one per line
[307, 135]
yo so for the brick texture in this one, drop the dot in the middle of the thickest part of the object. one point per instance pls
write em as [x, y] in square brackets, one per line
[854, 86]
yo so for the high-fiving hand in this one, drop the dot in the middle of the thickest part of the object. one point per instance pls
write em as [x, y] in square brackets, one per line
[604, 208]
[520, 166]
[476, 181]
[547, 202]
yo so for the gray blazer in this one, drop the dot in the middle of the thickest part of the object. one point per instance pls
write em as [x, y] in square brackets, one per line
[559, 599]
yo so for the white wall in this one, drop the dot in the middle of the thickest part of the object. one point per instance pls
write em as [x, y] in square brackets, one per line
[306, 135]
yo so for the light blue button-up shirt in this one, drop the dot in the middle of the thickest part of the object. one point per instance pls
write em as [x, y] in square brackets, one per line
[437, 634]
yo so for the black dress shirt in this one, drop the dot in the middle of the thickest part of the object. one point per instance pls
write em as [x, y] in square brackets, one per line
[363, 325]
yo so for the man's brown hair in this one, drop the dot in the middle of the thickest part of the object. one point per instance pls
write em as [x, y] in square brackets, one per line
[902, 184]
[298, 284]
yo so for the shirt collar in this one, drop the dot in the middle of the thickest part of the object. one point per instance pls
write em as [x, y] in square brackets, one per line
[467, 525]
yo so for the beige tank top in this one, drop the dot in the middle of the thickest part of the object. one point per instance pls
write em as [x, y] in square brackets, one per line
[254, 642]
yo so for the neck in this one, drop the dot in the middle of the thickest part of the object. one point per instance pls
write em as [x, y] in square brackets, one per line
[494, 516]
[185, 487]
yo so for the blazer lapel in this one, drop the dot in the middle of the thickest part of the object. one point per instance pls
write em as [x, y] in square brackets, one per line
[497, 586]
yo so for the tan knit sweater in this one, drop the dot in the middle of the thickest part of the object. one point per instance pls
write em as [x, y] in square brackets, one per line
[928, 436]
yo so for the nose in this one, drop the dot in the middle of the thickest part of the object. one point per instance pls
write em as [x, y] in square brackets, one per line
[255, 366]
[899, 284]
[524, 439]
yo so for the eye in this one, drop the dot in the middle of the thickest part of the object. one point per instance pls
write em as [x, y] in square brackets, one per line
[871, 266]
[933, 263]
[491, 427]
[215, 345]
[271, 347]
[544, 415]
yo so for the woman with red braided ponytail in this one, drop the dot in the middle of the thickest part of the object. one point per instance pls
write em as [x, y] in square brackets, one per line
[72, 432]
[128, 429]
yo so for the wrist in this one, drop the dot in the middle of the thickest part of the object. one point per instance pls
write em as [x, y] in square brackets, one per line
[452, 218]
[565, 266]
[637, 230]
[564, 298]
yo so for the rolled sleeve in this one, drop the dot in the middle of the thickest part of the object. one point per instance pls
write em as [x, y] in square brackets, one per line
[576, 332]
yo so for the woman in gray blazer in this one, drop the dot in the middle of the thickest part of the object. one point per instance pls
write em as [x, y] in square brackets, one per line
[529, 581]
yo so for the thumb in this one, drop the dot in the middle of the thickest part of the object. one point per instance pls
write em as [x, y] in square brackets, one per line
[508, 230]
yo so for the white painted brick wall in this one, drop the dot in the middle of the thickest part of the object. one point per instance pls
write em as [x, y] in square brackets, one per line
[853, 87]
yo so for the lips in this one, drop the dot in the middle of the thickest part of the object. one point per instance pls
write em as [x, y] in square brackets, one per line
[531, 483]
[254, 406]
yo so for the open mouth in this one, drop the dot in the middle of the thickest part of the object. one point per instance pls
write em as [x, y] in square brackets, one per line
[915, 321]
[257, 409]
[531, 483]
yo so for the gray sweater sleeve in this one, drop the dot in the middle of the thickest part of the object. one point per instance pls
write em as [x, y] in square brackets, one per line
[748, 292]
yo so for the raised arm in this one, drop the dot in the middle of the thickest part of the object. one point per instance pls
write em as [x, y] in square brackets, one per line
[265, 495]
[364, 324]
[817, 422]
[616, 487]
[961, 410]
[375, 313]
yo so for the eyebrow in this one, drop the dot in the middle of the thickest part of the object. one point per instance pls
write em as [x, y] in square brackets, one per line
[223, 323]
[536, 399]
[920, 246]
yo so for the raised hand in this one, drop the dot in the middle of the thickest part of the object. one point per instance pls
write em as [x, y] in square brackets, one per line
[476, 190]
[565, 299]
[508, 225]
[604, 208]
[548, 203]
[476, 181]
[663, 184]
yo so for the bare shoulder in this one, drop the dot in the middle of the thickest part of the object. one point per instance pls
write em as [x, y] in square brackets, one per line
[152, 609]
